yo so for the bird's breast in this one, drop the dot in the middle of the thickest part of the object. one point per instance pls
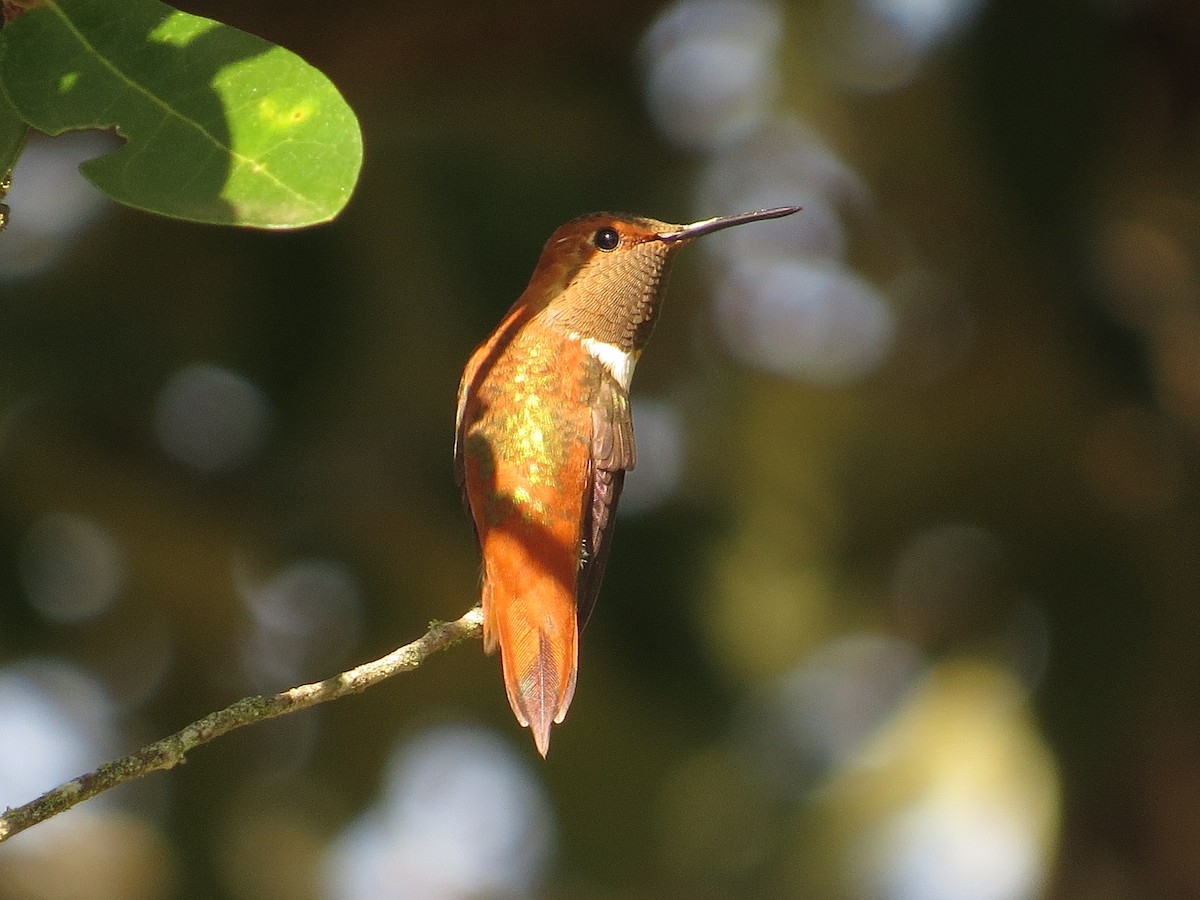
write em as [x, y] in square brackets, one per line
[528, 434]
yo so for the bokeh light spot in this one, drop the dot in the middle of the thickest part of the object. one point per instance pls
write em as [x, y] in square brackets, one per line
[306, 618]
[210, 418]
[710, 70]
[880, 45]
[461, 816]
[71, 567]
[661, 445]
[51, 202]
[57, 724]
[818, 717]
[820, 323]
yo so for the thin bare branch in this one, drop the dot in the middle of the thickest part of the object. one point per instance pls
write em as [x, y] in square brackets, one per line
[171, 751]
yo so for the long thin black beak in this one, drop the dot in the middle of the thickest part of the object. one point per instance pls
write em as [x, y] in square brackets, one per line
[707, 226]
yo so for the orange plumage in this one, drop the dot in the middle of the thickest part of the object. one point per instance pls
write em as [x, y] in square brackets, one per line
[544, 438]
[526, 457]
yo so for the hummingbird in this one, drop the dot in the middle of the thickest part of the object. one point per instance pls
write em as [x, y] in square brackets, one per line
[544, 437]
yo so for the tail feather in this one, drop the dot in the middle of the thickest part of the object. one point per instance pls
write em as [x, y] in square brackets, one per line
[539, 650]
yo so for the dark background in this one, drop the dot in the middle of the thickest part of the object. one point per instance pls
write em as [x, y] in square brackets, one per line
[867, 609]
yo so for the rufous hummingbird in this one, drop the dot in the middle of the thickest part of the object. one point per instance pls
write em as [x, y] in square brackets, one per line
[544, 438]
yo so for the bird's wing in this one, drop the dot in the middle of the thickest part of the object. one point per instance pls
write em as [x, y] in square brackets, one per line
[613, 454]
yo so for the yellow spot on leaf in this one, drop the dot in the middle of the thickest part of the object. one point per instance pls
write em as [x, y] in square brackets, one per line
[67, 81]
[273, 114]
[180, 29]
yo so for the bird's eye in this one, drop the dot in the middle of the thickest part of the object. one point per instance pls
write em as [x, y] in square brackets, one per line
[606, 239]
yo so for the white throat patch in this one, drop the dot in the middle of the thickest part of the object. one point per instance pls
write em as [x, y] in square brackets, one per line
[619, 363]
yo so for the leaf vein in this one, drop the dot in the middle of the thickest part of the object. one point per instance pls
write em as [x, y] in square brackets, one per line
[171, 112]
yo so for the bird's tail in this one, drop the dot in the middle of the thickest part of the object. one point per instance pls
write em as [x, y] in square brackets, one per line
[538, 635]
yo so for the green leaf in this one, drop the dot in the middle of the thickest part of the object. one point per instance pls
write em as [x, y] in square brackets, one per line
[13, 132]
[12, 138]
[220, 126]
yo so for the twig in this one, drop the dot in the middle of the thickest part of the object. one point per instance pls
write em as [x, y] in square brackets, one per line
[171, 751]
